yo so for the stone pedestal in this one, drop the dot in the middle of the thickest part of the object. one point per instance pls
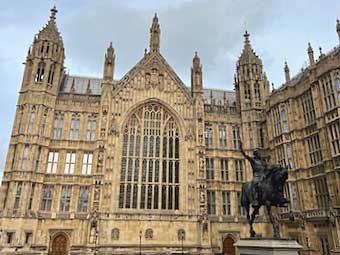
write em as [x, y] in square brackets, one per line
[267, 247]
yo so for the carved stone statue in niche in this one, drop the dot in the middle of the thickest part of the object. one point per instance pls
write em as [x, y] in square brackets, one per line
[201, 165]
[115, 234]
[96, 192]
[154, 77]
[202, 196]
[161, 82]
[205, 220]
[113, 126]
[94, 226]
[147, 80]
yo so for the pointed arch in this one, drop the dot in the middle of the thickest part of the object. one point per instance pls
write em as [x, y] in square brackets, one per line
[40, 72]
[150, 158]
[60, 243]
[51, 74]
[177, 117]
[228, 245]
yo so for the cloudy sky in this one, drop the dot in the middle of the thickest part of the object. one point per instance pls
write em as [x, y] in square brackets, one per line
[280, 30]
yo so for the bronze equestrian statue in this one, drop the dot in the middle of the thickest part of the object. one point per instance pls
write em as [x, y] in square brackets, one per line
[266, 189]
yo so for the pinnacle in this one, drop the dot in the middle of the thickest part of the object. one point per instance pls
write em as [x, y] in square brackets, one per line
[310, 49]
[53, 12]
[286, 66]
[155, 18]
[246, 36]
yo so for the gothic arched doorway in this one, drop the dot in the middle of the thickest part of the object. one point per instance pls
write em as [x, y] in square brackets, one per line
[59, 245]
[228, 246]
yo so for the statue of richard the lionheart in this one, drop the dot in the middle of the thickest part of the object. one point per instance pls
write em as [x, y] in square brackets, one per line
[266, 189]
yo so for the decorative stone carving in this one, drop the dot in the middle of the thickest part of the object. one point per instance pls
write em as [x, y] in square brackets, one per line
[115, 234]
[94, 227]
[149, 234]
[181, 235]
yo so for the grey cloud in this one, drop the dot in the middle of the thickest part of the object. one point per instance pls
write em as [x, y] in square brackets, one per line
[214, 28]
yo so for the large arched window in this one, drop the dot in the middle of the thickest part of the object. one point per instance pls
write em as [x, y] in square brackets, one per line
[150, 160]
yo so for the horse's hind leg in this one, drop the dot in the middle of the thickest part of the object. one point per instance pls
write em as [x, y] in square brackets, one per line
[248, 214]
[275, 224]
[253, 216]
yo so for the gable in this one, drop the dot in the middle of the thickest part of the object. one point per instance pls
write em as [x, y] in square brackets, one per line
[152, 73]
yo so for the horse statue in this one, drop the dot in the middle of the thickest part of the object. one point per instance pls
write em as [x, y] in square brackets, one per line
[270, 195]
[266, 189]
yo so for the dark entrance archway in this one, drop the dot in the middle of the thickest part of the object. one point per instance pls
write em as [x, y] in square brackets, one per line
[60, 245]
[228, 246]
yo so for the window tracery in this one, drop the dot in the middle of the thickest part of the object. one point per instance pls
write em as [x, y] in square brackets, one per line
[150, 160]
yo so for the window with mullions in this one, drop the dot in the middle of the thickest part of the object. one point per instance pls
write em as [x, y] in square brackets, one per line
[83, 200]
[47, 196]
[30, 201]
[31, 122]
[328, 92]
[224, 170]
[58, 126]
[314, 147]
[308, 108]
[25, 157]
[39, 77]
[236, 137]
[239, 165]
[65, 198]
[150, 160]
[91, 129]
[18, 195]
[209, 165]
[223, 136]
[74, 128]
[226, 203]
[208, 135]
[211, 203]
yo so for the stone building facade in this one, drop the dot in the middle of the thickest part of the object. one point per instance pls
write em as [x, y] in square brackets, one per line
[147, 164]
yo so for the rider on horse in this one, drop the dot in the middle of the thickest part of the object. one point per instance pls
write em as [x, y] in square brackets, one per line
[260, 168]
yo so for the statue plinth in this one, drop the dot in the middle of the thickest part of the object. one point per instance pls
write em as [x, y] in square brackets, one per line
[268, 246]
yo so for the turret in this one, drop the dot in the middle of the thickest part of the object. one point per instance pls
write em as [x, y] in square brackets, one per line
[109, 63]
[310, 54]
[45, 58]
[196, 76]
[155, 33]
[249, 82]
[287, 74]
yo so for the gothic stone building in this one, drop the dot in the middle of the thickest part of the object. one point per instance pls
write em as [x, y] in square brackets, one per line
[146, 163]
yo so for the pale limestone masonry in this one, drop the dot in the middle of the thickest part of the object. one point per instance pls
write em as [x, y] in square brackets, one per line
[112, 166]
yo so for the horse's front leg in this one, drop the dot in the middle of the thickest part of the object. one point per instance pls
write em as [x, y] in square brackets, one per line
[275, 224]
[253, 216]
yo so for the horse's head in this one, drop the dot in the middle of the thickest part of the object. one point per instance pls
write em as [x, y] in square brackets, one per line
[279, 176]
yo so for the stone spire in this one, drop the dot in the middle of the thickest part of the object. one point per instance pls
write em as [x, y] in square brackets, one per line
[287, 74]
[109, 63]
[310, 54]
[248, 55]
[338, 28]
[155, 33]
[50, 31]
[196, 75]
